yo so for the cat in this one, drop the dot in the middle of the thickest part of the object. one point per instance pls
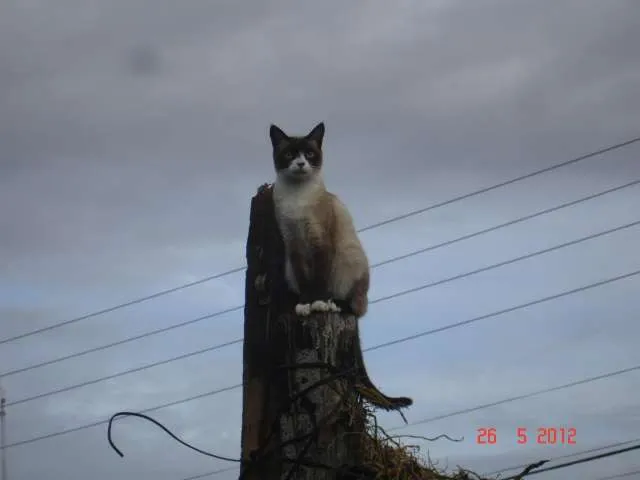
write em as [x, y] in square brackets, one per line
[325, 262]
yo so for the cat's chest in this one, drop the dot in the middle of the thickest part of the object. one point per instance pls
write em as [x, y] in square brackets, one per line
[295, 214]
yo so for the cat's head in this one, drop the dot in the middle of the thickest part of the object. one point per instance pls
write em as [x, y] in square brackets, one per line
[297, 159]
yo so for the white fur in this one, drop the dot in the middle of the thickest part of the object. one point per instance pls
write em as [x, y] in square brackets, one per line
[333, 307]
[293, 200]
[320, 306]
[303, 309]
[297, 165]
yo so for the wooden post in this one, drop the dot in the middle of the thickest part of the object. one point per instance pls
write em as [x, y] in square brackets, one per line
[274, 337]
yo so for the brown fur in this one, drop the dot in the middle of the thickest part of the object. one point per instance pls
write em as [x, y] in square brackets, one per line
[325, 263]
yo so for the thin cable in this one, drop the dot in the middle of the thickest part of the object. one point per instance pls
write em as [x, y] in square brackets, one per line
[506, 262]
[519, 475]
[167, 431]
[262, 453]
[208, 474]
[501, 312]
[375, 265]
[119, 306]
[518, 397]
[123, 341]
[379, 300]
[103, 422]
[125, 372]
[485, 475]
[502, 184]
[569, 455]
[233, 387]
[515, 221]
[369, 227]
[621, 475]
[575, 462]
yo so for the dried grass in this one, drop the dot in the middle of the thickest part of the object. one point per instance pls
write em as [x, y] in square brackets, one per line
[388, 457]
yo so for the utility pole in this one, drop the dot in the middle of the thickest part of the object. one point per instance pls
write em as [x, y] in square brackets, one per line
[324, 426]
[3, 434]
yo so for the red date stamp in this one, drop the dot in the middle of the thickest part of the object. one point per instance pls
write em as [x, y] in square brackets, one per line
[540, 436]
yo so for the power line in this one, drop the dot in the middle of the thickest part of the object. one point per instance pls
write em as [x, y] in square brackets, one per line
[233, 387]
[384, 262]
[502, 312]
[621, 475]
[104, 422]
[125, 372]
[568, 455]
[119, 306]
[123, 341]
[516, 467]
[369, 227]
[506, 262]
[515, 221]
[517, 397]
[379, 300]
[503, 184]
[209, 474]
[575, 462]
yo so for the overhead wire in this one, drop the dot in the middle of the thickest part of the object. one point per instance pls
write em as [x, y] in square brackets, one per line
[461, 412]
[590, 458]
[374, 301]
[364, 229]
[266, 451]
[375, 265]
[378, 300]
[412, 337]
[568, 455]
[210, 474]
[621, 475]
[521, 306]
[517, 398]
[263, 453]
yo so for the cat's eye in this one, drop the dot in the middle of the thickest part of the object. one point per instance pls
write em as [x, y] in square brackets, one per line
[309, 154]
[288, 156]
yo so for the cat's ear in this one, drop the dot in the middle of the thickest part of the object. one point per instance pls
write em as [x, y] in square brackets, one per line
[277, 135]
[317, 134]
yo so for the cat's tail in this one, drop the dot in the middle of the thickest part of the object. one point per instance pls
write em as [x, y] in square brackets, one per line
[367, 389]
[370, 392]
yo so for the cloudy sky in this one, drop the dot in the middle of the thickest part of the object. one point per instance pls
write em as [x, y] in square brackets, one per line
[133, 134]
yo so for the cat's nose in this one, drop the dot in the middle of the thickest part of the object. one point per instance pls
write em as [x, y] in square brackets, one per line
[300, 163]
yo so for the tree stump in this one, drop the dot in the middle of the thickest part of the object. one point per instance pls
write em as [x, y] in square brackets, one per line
[321, 431]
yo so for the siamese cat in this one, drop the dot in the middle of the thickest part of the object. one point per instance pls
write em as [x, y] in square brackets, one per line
[325, 263]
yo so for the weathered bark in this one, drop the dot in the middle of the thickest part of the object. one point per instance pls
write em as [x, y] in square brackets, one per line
[275, 341]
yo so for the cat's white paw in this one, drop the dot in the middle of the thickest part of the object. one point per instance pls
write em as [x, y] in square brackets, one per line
[320, 306]
[303, 309]
[333, 307]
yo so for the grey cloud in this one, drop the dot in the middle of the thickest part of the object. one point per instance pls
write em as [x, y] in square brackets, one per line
[134, 134]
